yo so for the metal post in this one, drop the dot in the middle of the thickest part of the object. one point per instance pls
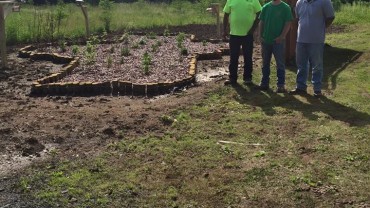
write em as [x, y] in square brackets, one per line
[4, 62]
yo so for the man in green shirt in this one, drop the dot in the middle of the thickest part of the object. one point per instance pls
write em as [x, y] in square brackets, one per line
[275, 20]
[242, 17]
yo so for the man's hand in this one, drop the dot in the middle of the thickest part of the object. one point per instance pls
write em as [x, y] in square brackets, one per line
[279, 40]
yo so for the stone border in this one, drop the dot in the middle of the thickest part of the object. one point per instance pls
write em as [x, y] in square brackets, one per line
[50, 85]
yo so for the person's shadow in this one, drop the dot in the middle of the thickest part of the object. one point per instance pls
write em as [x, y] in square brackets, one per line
[335, 61]
[311, 109]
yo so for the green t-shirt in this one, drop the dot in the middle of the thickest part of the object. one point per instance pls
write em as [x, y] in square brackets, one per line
[274, 18]
[242, 15]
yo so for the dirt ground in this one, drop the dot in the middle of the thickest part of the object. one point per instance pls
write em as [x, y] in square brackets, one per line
[33, 128]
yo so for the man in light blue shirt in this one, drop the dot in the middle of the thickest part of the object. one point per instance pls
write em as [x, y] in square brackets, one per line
[314, 16]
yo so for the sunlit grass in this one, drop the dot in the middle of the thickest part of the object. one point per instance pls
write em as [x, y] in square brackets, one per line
[358, 13]
[33, 23]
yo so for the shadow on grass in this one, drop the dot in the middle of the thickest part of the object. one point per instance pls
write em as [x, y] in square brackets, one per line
[335, 61]
[267, 100]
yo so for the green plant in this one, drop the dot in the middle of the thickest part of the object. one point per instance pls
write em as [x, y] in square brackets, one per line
[125, 51]
[124, 38]
[106, 16]
[259, 154]
[60, 14]
[180, 39]
[142, 41]
[154, 48]
[90, 52]
[204, 43]
[75, 50]
[152, 35]
[136, 45]
[166, 32]
[183, 51]
[62, 45]
[146, 62]
[109, 62]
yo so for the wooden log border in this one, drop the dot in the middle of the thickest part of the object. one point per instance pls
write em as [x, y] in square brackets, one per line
[51, 85]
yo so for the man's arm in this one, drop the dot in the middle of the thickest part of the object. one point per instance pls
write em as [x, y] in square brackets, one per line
[284, 33]
[225, 24]
[255, 24]
[328, 21]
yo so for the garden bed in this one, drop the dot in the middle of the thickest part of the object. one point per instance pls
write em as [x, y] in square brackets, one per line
[130, 64]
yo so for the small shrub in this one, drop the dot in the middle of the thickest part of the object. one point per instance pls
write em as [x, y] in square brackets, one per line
[154, 47]
[109, 61]
[75, 50]
[146, 59]
[146, 62]
[183, 51]
[204, 42]
[111, 50]
[136, 45]
[106, 16]
[142, 41]
[180, 39]
[62, 45]
[90, 52]
[125, 51]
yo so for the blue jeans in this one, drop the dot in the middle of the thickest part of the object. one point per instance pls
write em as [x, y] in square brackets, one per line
[246, 42]
[309, 54]
[278, 50]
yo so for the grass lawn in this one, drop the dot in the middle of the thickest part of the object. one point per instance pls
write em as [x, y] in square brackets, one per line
[281, 150]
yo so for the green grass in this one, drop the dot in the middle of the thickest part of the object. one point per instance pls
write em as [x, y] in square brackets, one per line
[311, 153]
[358, 13]
[33, 23]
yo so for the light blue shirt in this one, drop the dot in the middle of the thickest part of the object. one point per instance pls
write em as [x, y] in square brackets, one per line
[311, 20]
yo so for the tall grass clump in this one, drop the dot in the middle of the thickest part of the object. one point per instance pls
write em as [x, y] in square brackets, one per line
[106, 15]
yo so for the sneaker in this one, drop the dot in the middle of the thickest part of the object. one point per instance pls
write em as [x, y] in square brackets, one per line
[297, 91]
[248, 82]
[317, 94]
[262, 87]
[230, 82]
[281, 90]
